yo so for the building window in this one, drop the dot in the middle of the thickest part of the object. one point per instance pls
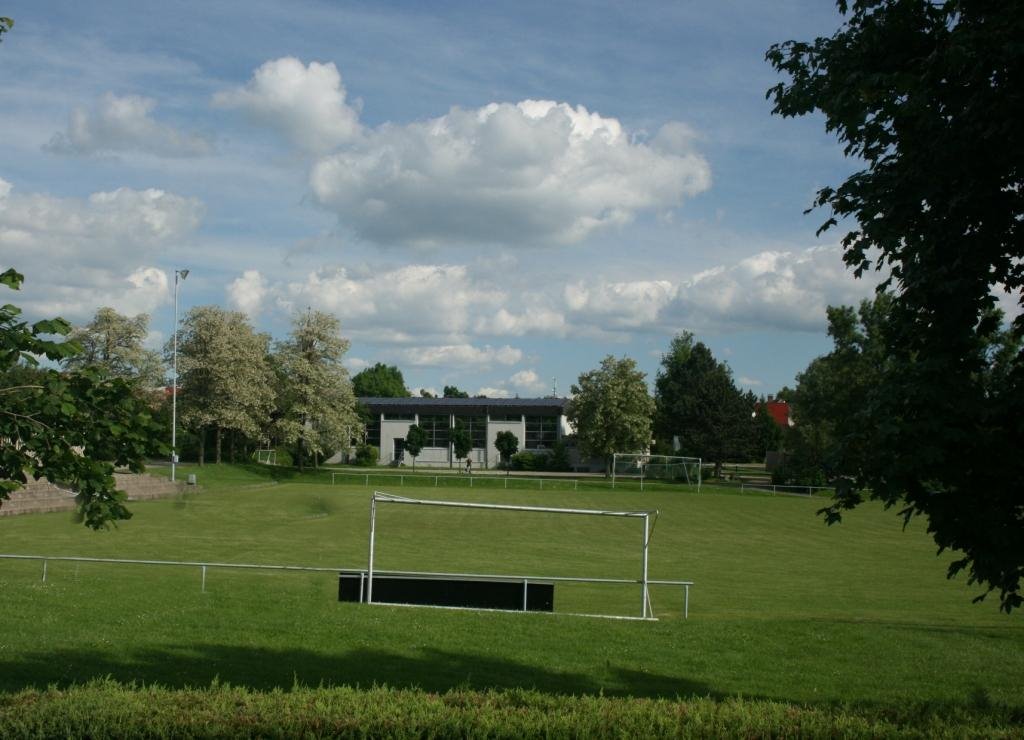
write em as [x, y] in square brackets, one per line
[373, 432]
[506, 417]
[477, 428]
[436, 426]
[541, 432]
[399, 416]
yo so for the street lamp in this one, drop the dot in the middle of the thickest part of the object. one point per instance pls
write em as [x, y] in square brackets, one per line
[174, 389]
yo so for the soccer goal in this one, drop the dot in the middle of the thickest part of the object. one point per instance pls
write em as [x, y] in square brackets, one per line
[266, 457]
[424, 588]
[668, 468]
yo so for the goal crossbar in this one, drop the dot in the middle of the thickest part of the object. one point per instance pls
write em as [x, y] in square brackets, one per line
[381, 497]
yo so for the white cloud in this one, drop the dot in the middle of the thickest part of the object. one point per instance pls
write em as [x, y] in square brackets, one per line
[528, 381]
[493, 392]
[749, 382]
[305, 103]
[355, 364]
[401, 305]
[461, 356]
[777, 290]
[103, 247]
[247, 292]
[531, 320]
[121, 124]
[620, 305]
[533, 172]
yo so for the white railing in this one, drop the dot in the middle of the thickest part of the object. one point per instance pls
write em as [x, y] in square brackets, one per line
[362, 572]
[784, 490]
[483, 481]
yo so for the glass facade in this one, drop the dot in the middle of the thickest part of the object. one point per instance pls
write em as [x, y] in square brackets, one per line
[541, 432]
[373, 432]
[437, 428]
[506, 417]
[477, 428]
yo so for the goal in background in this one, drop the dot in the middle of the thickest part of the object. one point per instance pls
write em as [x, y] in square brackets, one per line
[266, 457]
[667, 468]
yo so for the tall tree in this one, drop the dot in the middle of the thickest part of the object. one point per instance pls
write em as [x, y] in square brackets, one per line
[451, 391]
[226, 381]
[697, 401]
[415, 441]
[317, 407]
[462, 443]
[611, 410]
[114, 343]
[380, 381]
[928, 97]
[507, 444]
[71, 427]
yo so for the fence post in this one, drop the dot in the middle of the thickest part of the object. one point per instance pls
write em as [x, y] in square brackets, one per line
[204, 579]
[526, 581]
[44, 571]
[367, 480]
[542, 484]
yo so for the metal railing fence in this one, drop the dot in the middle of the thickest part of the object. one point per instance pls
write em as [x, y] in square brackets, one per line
[362, 572]
[482, 481]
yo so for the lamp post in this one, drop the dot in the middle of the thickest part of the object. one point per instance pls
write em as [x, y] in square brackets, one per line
[174, 389]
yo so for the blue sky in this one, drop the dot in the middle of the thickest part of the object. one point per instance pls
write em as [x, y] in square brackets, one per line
[488, 195]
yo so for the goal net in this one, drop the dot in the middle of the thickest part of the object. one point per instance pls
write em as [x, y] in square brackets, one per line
[266, 457]
[663, 468]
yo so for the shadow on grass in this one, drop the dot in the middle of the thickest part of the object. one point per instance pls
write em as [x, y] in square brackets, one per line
[264, 669]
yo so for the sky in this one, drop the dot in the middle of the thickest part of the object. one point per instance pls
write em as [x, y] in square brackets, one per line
[488, 195]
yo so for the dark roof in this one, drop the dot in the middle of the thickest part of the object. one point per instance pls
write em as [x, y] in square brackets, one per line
[467, 405]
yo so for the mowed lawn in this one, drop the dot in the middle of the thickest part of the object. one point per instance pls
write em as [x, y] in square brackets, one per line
[783, 607]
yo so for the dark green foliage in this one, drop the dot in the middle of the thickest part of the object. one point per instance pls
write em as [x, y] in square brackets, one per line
[73, 427]
[767, 435]
[6, 24]
[507, 444]
[697, 401]
[366, 456]
[928, 96]
[380, 381]
[526, 460]
[415, 441]
[450, 391]
[558, 458]
[462, 443]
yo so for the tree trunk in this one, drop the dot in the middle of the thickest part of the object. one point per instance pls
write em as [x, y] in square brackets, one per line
[231, 445]
[202, 446]
[301, 451]
[216, 442]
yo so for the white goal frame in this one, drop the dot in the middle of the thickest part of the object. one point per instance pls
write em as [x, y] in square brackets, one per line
[645, 459]
[381, 497]
[271, 457]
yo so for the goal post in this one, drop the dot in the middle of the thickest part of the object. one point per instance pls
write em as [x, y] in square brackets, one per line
[647, 517]
[643, 467]
[266, 457]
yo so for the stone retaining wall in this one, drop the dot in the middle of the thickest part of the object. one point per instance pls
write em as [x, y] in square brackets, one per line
[40, 496]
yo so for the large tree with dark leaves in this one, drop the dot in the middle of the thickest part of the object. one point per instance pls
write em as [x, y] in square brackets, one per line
[697, 401]
[70, 427]
[929, 98]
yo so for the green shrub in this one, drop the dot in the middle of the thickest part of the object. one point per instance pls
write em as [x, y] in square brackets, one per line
[524, 461]
[558, 460]
[366, 456]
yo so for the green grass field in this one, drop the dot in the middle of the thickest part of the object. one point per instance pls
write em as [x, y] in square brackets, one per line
[783, 609]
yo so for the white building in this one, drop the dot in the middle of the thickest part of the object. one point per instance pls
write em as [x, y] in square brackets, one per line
[536, 422]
